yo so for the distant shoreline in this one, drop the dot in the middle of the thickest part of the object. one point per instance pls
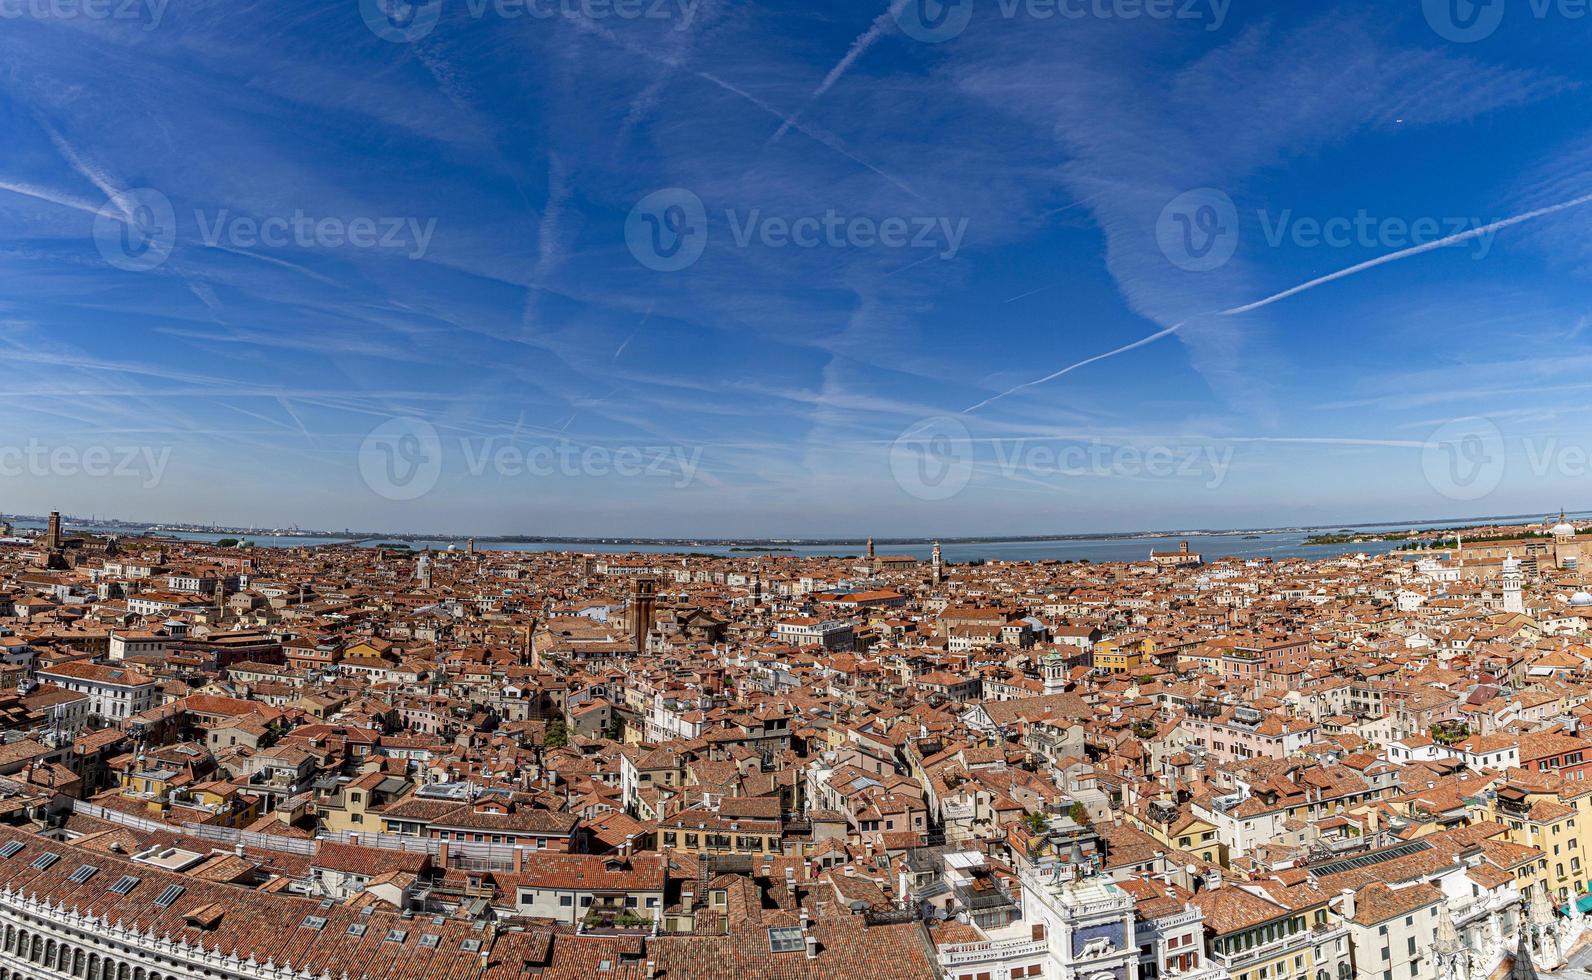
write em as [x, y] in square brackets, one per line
[1394, 530]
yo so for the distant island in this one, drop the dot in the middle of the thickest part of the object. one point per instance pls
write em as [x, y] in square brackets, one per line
[1325, 534]
[1431, 537]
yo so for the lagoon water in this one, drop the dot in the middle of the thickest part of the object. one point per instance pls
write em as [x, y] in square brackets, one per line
[1256, 544]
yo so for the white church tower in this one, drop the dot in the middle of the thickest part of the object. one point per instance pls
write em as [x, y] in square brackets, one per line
[1055, 674]
[1512, 583]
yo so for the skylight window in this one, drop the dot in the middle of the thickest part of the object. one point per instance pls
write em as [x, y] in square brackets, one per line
[170, 895]
[786, 939]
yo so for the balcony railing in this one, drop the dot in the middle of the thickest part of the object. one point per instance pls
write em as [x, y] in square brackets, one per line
[1328, 932]
[959, 811]
[1267, 950]
[990, 951]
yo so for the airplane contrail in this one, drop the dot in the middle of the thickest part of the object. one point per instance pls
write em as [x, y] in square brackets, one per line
[1152, 338]
[1405, 253]
[858, 48]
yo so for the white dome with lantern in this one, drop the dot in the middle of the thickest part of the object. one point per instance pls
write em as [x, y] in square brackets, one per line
[1563, 529]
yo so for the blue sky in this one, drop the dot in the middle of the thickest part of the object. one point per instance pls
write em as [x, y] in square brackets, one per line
[694, 267]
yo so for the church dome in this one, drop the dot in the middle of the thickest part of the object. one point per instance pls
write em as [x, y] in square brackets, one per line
[1582, 598]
